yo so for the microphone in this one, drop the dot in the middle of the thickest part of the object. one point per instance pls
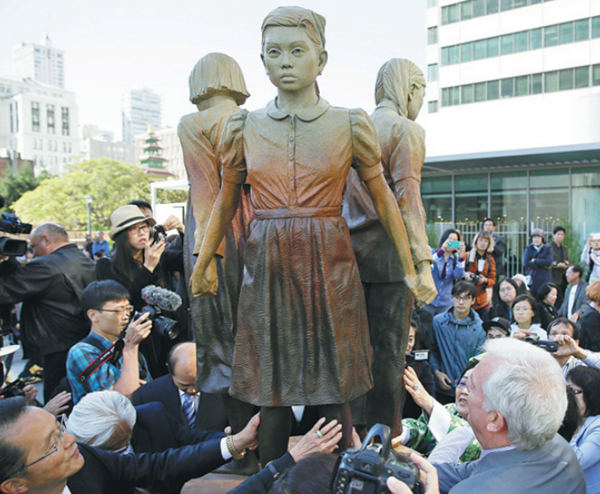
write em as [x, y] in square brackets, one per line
[164, 299]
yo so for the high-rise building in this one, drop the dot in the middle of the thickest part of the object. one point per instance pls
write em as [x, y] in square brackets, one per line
[512, 120]
[40, 63]
[141, 106]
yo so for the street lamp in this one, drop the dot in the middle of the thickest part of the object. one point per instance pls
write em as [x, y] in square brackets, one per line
[88, 201]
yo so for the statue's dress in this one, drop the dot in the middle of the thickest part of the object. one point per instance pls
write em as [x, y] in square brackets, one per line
[302, 327]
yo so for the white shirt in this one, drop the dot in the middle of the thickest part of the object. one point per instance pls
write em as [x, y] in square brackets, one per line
[572, 296]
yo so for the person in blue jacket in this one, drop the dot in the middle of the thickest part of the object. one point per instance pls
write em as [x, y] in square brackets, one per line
[457, 336]
[537, 261]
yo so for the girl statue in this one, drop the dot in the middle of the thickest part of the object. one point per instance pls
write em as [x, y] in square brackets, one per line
[302, 327]
[217, 87]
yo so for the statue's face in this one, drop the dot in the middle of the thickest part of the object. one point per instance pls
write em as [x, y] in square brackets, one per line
[292, 60]
[415, 103]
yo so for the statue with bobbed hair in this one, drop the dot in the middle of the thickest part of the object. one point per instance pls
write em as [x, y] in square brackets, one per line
[399, 92]
[217, 87]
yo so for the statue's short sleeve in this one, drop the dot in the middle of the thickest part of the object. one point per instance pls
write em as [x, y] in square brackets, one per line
[365, 146]
[232, 149]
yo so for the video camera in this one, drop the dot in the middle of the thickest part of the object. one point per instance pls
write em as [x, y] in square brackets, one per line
[416, 356]
[10, 223]
[160, 300]
[549, 346]
[366, 471]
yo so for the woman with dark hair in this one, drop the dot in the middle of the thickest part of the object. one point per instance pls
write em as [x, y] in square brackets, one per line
[584, 382]
[546, 298]
[590, 321]
[481, 269]
[503, 296]
[525, 320]
[448, 265]
[537, 261]
[136, 263]
[421, 368]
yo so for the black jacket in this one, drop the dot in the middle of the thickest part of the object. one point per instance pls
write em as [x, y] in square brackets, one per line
[50, 288]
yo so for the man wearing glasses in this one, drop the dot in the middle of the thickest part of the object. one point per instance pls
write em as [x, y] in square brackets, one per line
[92, 364]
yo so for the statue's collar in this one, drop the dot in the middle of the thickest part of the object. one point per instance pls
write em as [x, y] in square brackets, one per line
[308, 114]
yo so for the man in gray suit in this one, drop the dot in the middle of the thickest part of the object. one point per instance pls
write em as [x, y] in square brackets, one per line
[517, 401]
[575, 301]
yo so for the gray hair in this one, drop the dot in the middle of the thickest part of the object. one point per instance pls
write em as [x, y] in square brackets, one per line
[95, 418]
[527, 387]
[53, 230]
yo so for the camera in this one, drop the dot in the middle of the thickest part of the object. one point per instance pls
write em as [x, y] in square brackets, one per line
[10, 223]
[549, 346]
[14, 388]
[163, 325]
[416, 356]
[159, 233]
[475, 279]
[366, 471]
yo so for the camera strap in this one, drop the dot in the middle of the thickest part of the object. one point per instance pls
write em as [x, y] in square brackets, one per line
[112, 354]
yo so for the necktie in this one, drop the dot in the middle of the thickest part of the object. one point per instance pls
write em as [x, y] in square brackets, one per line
[189, 411]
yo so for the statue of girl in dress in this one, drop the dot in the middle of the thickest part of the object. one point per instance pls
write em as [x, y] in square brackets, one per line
[302, 335]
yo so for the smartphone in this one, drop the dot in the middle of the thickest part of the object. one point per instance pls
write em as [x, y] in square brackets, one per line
[454, 244]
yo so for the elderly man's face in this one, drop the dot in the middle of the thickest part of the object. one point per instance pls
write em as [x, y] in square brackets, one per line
[184, 376]
[36, 433]
[478, 417]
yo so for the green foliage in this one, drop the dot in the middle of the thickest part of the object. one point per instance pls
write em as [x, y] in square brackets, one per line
[575, 242]
[167, 196]
[62, 199]
[432, 235]
[13, 186]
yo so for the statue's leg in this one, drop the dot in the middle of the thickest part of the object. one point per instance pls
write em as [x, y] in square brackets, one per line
[389, 308]
[274, 433]
[238, 415]
[343, 415]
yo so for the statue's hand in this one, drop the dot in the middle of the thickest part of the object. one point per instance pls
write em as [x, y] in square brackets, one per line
[205, 284]
[426, 290]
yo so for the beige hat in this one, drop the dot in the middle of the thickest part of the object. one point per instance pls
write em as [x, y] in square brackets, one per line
[126, 216]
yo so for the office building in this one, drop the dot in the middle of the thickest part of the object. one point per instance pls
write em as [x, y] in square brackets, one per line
[141, 106]
[40, 63]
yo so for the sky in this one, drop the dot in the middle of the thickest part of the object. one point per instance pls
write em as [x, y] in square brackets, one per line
[114, 45]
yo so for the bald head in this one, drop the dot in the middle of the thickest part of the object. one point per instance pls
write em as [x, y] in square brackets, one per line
[48, 237]
[182, 366]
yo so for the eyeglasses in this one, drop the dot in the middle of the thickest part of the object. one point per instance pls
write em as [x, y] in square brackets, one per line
[142, 228]
[60, 436]
[521, 310]
[125, 311]
[575, 390]
[468, 298]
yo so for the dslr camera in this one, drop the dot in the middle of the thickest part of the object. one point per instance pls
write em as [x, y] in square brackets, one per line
[14, 388]
[416, 356]
[159, 300]
[165, 326]
[159, 233]
[549, 346]
[366, 471]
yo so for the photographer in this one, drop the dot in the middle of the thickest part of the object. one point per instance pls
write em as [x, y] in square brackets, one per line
[137, 262]
[49, 287]
[107, 306]
[481, 269]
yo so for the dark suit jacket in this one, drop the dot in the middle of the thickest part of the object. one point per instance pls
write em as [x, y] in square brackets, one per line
[112, 473]
[156, 430]
[553, 468]
[211, 413]
[581, 300]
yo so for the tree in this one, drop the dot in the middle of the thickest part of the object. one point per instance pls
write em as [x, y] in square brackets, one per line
[62, 199]
[13, 186]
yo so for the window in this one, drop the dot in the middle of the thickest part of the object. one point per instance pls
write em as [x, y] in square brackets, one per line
[537, 84]
[433, 106]
[493, 47]
[596, 27]
[478, 8]
[466, 52]
[492, 7]
[582, 30]
[551, 35]
[520, 3]
[444, 56]
[506, 5]
[565, 33]
[550, 82]
[432, 3]
[65, 121]
[596, 75]
[480, 93]
[445, 97]
[466, 10]
[50, 119]
[12, 130]
[535, 39]
[508, 44]
[565, 78]
[522, 85]
[493, 90]
[508, 88]
[467, 94]
[455, 95]
[432, 35]
[35, 116]
[432, 72]
[521, 41]
[582, 77]
[453, 55]
[452, 13]
[479, 51]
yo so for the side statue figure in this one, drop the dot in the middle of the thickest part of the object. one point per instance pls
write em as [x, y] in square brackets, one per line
[399, 93]
[217, 87]
[302, 334]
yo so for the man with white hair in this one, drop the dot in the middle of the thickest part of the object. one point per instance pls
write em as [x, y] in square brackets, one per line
[517, 401]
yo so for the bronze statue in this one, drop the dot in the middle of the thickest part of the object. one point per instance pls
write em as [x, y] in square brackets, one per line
[302, 326]
[399, 95]
[217, 87]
